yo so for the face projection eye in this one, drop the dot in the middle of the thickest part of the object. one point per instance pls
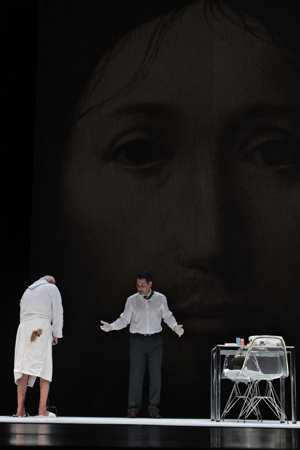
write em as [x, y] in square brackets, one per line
[279, 153]
[139, 153]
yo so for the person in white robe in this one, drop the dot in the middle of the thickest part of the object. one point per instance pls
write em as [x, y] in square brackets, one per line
[41, 323]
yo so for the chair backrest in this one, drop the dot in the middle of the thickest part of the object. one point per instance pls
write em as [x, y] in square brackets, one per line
[266, 359]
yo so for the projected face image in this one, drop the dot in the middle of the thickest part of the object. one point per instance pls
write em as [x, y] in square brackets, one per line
[184, 160]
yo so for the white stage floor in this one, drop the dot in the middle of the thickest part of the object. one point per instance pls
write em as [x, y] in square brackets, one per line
[144, 421]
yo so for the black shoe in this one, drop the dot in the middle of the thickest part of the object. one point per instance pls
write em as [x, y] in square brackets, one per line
[155, 416]
[132, 415]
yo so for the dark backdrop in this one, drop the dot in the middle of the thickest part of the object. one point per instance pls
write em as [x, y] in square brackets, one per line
[19, 31]
[90, 377]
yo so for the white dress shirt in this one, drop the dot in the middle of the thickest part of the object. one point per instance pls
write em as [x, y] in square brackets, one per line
[145, 316]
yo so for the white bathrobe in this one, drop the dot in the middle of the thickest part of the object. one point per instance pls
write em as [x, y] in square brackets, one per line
[40, 309]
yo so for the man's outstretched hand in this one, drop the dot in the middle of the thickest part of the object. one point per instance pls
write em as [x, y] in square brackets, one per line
[179, 330]
[106, 326]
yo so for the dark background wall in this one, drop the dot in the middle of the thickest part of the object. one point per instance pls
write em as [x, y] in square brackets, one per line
[19, 30]
[71, 392]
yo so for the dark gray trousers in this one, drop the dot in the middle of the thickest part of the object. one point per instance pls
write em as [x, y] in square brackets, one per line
[144, 349]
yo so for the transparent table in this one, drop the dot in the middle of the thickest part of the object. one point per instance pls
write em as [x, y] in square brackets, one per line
[216, 372]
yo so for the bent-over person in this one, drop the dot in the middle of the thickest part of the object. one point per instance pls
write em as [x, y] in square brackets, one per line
[41, 322]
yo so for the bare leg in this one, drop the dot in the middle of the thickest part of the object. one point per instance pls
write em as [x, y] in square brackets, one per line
[44, 391]
[21, 394]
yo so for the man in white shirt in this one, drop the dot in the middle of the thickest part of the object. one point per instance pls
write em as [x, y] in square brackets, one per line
[144, 312]
[41, 323]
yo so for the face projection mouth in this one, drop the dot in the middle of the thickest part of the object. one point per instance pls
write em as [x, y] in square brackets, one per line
[207, 305]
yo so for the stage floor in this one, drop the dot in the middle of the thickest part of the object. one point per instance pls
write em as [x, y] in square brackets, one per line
[106, 432]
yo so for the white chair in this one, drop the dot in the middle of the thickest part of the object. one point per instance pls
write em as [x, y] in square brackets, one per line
[231, 368]
[270, 354]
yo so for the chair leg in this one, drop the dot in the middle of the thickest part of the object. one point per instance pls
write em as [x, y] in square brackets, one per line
[270, 398]
[236, 395]
[233, 398]
[250, 403]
